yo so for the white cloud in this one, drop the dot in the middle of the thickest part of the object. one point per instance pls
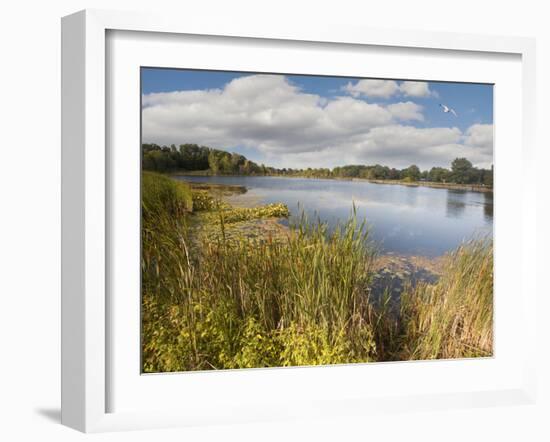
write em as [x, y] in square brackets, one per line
[410, 137]
[416, 89]
[349, 113]
[372, 88]
[479, 135]
[406, 111]
[389, 88]
[289, 128]
[401, 146]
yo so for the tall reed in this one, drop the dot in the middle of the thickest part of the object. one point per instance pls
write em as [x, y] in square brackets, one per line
[253, 301]
[209, 302]
[454, 317]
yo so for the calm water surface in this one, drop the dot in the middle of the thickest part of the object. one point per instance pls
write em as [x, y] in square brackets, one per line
[403, 219]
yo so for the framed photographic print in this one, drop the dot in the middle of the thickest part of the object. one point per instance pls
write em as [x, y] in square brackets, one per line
[315, 258]
[251, 214]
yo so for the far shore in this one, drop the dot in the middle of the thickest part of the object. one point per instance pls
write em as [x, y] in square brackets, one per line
[432, 184]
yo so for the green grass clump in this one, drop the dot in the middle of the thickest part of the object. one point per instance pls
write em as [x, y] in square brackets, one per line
[454, 317]
[163, 196]
[165, 204]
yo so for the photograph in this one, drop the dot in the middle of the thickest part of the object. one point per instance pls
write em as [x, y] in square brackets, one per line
[305, 220]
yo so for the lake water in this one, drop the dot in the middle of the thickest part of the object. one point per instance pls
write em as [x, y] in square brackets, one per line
[403, 219]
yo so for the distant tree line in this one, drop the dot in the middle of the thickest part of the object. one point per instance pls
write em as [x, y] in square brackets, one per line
[461, 172]
[192, 157]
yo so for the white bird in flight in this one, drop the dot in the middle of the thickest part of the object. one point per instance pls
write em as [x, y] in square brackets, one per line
[447, 109]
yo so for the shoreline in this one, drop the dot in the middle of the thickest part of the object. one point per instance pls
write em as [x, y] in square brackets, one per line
[430, 184]
[237, 196]
[392, 271]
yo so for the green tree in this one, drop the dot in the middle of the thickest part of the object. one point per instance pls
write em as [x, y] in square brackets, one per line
[488, 177]
[225, 163]
[379, 172]
[461, 170]
[412, 173]
[439, 174]
[394, 174]
[214, 162]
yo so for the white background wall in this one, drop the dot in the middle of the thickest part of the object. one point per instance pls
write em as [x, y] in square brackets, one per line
[30, 214]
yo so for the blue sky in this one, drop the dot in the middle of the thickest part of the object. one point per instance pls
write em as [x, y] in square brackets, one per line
[344, 119]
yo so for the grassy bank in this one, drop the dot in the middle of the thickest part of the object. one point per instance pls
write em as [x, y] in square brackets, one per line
[213, 302]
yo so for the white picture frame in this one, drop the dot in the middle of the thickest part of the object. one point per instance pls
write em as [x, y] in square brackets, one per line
[86, 205]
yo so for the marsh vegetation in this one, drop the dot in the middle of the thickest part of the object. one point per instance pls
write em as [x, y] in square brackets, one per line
[231, 287]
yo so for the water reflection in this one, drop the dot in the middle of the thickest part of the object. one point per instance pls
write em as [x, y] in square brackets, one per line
[411, 195]
[403, 219]
[488, 206]
[456, 203]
